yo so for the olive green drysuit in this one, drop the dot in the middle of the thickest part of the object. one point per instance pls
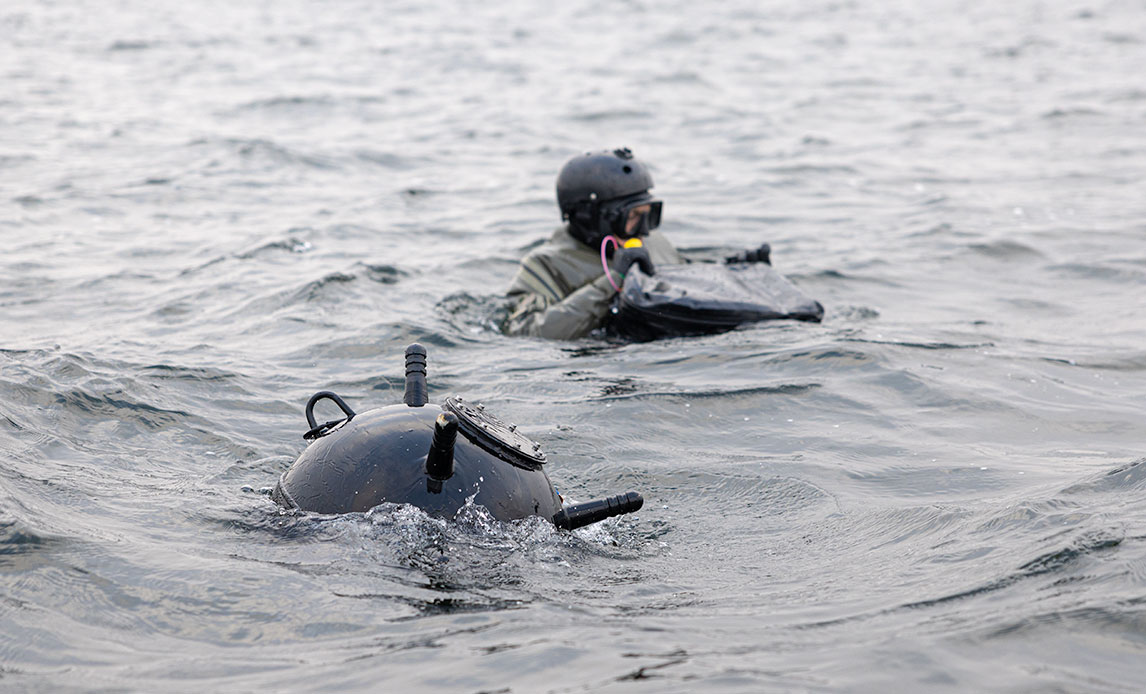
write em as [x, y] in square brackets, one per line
[561, 291]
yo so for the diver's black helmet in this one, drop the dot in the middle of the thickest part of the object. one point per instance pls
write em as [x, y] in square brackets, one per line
[596, 191]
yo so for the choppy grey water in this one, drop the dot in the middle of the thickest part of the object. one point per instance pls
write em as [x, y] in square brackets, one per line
[211, 210]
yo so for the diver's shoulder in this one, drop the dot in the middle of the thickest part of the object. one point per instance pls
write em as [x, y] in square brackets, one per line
[559, 243]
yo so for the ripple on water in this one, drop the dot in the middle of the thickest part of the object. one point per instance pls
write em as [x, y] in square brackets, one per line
[17, 538]
[290, 245]
[1006, 250]
[1120, 481]
[1107, 273]
[249, 155]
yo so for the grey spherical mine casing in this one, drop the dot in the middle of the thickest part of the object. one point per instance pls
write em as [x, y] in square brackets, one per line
[379, 456]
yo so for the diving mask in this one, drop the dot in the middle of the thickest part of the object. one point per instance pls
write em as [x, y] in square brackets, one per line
[631, 217]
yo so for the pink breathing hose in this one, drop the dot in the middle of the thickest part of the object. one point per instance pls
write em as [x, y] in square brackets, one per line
[605, 262]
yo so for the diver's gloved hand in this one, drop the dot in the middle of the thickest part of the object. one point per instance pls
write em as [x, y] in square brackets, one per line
[637, 255]
[763, 254]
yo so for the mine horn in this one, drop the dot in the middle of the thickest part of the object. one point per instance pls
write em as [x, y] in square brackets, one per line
[579, 515]
[415, 376]
[440, 459]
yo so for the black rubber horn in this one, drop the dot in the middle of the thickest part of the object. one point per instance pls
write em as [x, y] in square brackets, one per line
[580, 515]
[415, 376]
[440, 460]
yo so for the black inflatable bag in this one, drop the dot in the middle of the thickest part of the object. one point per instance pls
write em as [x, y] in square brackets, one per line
[703, 298]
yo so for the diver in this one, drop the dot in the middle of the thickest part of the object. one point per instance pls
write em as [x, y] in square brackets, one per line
[564, 289]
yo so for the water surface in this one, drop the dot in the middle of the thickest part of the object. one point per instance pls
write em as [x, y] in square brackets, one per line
[211, 211]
